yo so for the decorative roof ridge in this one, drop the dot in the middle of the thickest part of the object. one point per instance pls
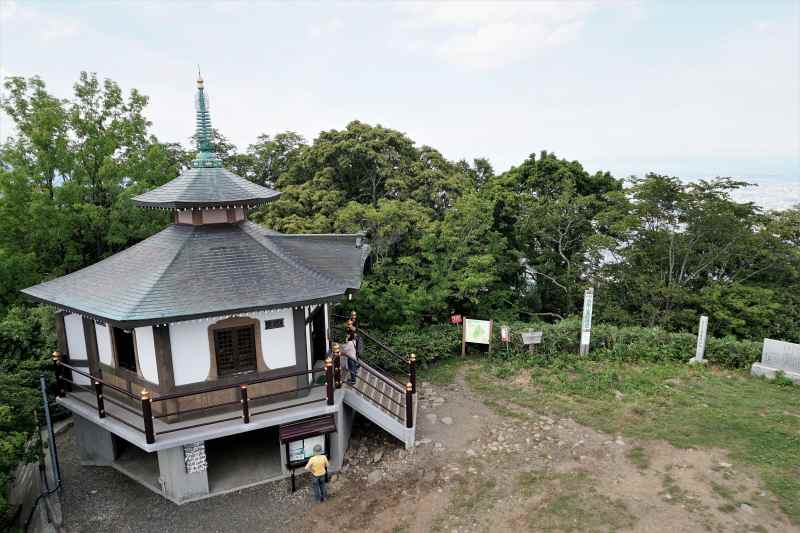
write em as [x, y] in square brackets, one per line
[253, 230]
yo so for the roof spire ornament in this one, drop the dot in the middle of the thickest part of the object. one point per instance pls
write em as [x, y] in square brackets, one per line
[206, 158]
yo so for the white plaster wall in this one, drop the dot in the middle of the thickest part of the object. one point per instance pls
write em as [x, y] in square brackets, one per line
[103, 334]
[146, 353]
[277, 345]
[76, 343]
[191, 360]
[184, 217]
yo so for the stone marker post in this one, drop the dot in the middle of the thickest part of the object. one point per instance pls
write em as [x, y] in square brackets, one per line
[701, 341]
[586, 323]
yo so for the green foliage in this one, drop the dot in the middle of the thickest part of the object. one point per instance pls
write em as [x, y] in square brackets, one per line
[561, 342]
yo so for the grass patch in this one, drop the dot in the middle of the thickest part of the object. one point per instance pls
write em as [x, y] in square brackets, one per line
[639, 457]
[442, 372]
[726, 493]
[756, 420]
[475, 495]
[570, 502]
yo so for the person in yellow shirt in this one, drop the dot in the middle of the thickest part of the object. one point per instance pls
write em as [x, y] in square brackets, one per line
[318, 465]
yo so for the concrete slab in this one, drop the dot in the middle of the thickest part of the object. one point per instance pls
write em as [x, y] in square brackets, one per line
[96, 444]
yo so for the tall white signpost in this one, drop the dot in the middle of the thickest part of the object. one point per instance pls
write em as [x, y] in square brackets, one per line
[701, 341]
[586, 323]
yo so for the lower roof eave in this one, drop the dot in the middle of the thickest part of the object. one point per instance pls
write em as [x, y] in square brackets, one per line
[127, 324]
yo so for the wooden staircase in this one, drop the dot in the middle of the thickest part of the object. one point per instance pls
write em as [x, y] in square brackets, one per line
[379, 396]
[385, 392]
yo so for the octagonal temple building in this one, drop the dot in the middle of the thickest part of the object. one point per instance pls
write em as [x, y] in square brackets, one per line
[199, 361]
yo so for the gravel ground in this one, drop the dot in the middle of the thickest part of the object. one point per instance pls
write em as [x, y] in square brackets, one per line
[100, 499]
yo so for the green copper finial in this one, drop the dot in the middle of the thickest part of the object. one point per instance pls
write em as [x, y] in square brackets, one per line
[205, 150]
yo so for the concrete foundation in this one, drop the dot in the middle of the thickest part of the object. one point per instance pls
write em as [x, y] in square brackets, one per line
[759, 369]
[341, 439]
[177, 484]
[97, 446]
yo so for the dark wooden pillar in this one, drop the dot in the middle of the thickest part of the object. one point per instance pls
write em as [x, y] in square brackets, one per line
[412, 372]
[147, 417]
[300, 345]
[245, 403]
[63, 347]
[409, 406]
[92, 353]
[166, 372]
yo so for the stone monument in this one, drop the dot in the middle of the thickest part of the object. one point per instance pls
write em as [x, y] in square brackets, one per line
[779, 356]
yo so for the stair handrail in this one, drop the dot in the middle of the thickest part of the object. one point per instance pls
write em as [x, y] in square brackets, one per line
[410, 361]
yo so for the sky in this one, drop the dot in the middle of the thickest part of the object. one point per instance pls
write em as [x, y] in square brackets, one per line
[692, 89]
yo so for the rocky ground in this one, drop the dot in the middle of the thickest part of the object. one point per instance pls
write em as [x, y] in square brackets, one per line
[475, 468]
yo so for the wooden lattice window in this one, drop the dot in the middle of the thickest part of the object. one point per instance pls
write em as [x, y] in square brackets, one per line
[236, 350]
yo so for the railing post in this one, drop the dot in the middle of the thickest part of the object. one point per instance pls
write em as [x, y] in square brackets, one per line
[60, 392]
[412, 372]
[245, 404]
[101, 405]
[147, 415]
[409, 406]
[329, 379]
[337, 366]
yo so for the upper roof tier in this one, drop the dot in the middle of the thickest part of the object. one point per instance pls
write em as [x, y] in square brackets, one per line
[206, 184]
[206, 187]
[186, 272]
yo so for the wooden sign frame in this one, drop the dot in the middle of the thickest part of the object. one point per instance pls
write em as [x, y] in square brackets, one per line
[464, 335]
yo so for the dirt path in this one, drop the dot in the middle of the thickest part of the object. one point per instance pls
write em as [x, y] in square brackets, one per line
[477, 470]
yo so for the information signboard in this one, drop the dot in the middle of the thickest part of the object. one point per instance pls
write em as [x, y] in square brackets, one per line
[531, 338]
[476, 332]
[301, 450]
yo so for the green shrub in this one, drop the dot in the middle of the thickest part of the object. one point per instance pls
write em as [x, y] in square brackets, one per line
[608, 342]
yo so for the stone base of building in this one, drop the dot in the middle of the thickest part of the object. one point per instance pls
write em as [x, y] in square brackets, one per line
[759, 369]
[204, 469]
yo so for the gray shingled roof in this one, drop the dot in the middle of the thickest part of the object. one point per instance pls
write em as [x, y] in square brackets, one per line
[193, 271]
[206, 187]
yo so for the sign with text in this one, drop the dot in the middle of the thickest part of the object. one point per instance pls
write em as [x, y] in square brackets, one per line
[504, 334]
[532, 337]
[586, 322]
[476, 332]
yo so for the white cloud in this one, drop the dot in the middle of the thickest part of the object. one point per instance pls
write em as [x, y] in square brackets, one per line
[48, 28]
[7, 9]
[488, 34]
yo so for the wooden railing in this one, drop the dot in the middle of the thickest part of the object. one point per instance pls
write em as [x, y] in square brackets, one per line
[65, 373]
[409, 364]
[333, 380]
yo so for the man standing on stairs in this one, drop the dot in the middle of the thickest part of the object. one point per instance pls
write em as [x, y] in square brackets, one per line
[352, 349]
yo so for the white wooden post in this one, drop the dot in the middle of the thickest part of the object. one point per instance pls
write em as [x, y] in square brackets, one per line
[586, 323]
[701, 341]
